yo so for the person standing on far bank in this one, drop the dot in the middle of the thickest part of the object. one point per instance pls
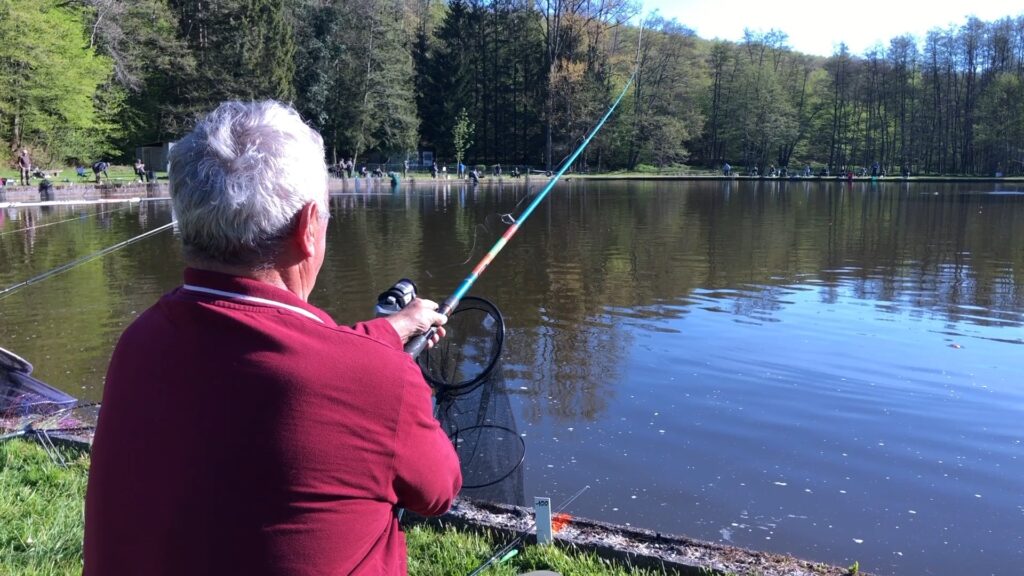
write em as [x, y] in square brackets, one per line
[25, 167]
[242, 430]
[140, 169]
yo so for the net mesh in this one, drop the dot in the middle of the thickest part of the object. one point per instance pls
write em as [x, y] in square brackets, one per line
[470, 351]
[31, 408]
[482, 427]
[23, 399]
[473, 404]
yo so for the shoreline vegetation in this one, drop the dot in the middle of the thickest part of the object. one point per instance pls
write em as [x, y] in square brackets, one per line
[510, 83]
[42, 505]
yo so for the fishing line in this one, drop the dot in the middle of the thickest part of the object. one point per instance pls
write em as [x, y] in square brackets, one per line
[500, 554]
[452, 385]
[79, 217]
[505, 217]
[78, 262]
[569, 153]
[472, 250]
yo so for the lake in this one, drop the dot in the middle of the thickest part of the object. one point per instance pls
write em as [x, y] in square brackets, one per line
[826, 369]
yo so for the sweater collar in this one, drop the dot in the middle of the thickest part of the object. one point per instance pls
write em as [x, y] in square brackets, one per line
[252, 288]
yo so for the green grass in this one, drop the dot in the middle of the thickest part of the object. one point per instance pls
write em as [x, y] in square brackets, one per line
[447, 552]
[42, 506]
[118, 174]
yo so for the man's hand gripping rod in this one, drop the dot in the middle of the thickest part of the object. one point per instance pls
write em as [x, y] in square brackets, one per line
[398, 297]
[417, 344]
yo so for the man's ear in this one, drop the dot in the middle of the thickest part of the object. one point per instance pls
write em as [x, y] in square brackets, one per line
[306, 229]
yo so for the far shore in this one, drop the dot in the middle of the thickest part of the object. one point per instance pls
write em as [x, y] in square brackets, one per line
[76, 192]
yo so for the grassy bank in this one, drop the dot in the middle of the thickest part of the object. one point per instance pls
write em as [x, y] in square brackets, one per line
[41, 505]
[117, 174]
[41, 533]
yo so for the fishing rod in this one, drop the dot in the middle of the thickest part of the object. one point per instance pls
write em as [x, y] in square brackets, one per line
[82, 202]
[417, 344]
[4, 293]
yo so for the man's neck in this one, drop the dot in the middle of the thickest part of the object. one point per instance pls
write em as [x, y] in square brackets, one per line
[287, 278]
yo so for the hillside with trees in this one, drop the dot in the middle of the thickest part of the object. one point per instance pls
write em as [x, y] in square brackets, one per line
[381, 79]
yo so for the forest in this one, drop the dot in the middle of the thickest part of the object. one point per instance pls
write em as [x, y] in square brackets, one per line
[517, 82]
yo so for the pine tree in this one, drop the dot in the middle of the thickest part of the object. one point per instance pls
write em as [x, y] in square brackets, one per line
[243, 49]
[444, 76]
[266, 51]
[462, 135]
[486, 58]
[356, 81]
[316, 56]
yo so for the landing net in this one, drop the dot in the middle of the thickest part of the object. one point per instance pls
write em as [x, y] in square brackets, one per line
[34, 409]
[473, 405]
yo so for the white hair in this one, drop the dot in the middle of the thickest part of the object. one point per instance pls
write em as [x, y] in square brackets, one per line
[239, 179]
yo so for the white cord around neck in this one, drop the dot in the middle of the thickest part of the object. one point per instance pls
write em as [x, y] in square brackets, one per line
[257, 300]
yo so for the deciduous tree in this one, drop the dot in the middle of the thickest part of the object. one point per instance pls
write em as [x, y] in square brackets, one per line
[52, 78]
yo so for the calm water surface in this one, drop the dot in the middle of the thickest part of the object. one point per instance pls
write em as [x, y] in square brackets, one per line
[823, 369]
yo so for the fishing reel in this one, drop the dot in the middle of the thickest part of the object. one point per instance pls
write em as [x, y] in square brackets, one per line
[470, 351]
[396, 298]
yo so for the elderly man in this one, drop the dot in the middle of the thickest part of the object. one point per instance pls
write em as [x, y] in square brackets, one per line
[242, 430]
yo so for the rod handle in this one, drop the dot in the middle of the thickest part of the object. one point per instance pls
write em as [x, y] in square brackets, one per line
[415, 346]
[419, 343]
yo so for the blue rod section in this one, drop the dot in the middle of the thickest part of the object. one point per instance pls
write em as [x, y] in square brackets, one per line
[417, 344]
[468, 281]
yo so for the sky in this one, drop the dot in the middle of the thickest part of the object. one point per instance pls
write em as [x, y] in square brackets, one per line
[819, 27]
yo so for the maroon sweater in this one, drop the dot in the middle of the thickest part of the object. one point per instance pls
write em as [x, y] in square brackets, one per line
[239, 437]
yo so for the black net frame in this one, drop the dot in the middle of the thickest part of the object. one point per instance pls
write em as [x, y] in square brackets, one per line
[467, 355]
